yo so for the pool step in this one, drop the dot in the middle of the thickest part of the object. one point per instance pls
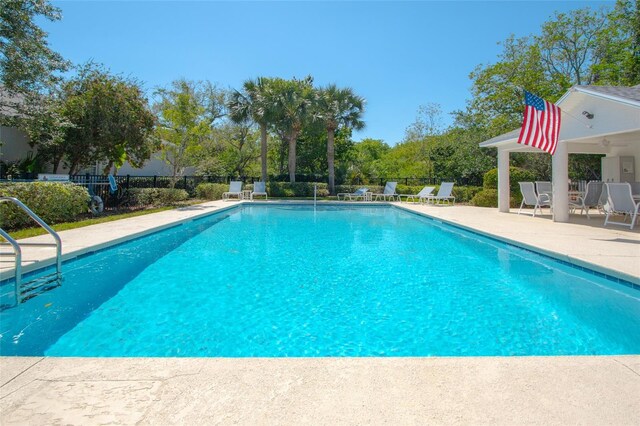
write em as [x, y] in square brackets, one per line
[33, 288]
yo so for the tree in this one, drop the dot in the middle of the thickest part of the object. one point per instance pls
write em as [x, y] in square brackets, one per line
[291, 100]
[254, 103]
[366, 162]
[428, 123]
[187, 112]
[27, 64]
[232, 150]
[618, 46]
[109, 120]
[336, 108]
[569, 45]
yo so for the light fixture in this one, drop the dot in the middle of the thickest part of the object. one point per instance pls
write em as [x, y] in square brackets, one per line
[587, 114]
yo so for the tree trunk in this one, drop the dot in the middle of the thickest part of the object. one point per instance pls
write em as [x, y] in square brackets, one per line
[292, 156]
[107, 168]
[56, 163]
[330, 159]
[263, 150]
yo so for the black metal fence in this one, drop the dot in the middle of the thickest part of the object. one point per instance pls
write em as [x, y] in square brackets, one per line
[99, 183]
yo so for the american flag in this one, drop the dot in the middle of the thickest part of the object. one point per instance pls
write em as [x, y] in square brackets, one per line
[541, 124]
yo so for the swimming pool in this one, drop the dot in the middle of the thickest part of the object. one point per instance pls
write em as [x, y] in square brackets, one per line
[285, 280]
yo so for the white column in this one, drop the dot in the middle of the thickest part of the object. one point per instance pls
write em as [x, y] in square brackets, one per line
[503, 181]
[560, 173]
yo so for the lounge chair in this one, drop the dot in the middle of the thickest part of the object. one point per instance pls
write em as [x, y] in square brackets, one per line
[530, 198]
[259, 188]
[427, 190]
[235, 190]
[444, 194]
[620, 201]
[590, 199]
[352, 196]
[389, 192]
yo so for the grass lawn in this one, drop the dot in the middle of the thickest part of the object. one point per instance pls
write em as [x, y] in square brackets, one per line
[32, 232]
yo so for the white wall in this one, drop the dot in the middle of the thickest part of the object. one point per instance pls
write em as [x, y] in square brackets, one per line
[153, 167]
[15, 144]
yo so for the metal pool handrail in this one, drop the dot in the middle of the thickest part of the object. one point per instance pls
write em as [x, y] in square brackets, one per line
[18, 251]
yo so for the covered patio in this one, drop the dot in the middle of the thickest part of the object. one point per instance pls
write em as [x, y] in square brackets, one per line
[595, 120]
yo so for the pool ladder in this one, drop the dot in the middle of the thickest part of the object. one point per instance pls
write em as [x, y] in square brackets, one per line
[27, 290]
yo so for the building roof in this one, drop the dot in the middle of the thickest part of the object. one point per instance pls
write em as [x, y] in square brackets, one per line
[614, 92]
[627, 98]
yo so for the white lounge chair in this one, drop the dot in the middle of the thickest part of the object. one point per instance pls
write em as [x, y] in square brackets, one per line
[352, 196]
[427, 190]
[530, 198]
[235, 190]
[444, 194]
[620, 201]
[389, 192]
[590, 199]
[259, 188]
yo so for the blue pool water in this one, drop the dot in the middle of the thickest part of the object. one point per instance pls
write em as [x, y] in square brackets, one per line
[337, 281]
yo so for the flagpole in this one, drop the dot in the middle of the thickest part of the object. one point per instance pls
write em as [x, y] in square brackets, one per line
[576, 118]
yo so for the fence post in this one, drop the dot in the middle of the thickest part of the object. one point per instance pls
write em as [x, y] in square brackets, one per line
[185, 183]
[155, 178]
[127, 182]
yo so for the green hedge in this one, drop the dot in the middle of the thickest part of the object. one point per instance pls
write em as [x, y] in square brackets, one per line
[54, 202]
[296, 189]
[516, 174]
[488, 197]
[211, 191]
[156, 196]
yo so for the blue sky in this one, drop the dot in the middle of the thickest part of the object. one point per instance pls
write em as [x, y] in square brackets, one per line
[398, 55]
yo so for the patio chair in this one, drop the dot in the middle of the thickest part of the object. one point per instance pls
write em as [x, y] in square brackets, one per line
[389, 192]
[544, 188]
[427, 190]
[259, 188]
[620, 201]
[235, 190]
[353, 196]
[530, 198]
[590, 199]
[444, 194]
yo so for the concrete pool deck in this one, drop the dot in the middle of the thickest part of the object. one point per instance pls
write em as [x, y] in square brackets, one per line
[473, 390]
[327, 391]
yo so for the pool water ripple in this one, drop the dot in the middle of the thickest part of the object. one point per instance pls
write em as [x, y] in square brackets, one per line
[360, 281]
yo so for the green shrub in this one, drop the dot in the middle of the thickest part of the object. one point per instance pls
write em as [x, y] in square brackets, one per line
[54, 202]
[211, 191]
[516, 175]
[489, 198]
[485, 198]
[156, 196]
[465, 194]
[296, 189]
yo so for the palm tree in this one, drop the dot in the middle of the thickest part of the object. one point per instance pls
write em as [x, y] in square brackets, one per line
[291, 102]
[337, 108]
[253, 103]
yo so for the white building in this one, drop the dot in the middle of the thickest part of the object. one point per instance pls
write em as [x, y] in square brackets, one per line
[595, 120]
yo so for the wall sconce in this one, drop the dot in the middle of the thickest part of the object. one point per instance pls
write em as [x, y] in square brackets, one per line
[587, 114]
